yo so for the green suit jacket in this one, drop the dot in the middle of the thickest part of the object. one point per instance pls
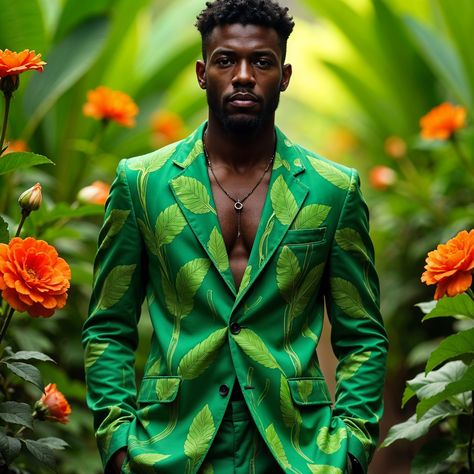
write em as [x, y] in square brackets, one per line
[161, 240]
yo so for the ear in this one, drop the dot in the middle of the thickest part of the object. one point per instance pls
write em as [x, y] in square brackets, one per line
[286, 76]
[201, 73]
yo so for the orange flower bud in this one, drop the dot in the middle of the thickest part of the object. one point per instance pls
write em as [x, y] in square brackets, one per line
[96, 193]
[382, 177]
[443, 121]
[30, 200]
[395, 147]
[52, 405]
[9, 84]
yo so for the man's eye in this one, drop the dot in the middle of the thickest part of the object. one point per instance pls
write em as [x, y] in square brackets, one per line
[224, 62]
[264, 63]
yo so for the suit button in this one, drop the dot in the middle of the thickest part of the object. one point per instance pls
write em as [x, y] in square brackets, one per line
[235, 328]
[224, 390]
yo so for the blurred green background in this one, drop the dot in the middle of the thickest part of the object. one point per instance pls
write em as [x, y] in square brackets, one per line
[365, 72]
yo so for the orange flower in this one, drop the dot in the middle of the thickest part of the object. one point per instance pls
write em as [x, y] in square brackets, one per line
[105, 104]
[16, 145]
[442, 122]
[33, 278]
[52, 405]
[96, 193]
[12, 64]
[395, 147]
[450, 265]
[168, 127]
[382, 177]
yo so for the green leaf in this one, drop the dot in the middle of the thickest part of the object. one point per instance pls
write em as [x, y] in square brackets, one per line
[169, 225]
[171, 298]
[413, 429]
[311, 216]
[29, 355]
[10, 447]
[115, 285]
[41, 452]
[306, 290]
[189, 279]
[201, 356]
[430, 459]
[93, 352]
[329, 443]
[148, 237]
[347, 297]
[457, 345]
[53, 443]
[245, 278]
[16, 413]
[4, 234]
[112, 225]
[145, 460]
[200, 435]
[330, 173]
[456, 306]
[152, 161]
[288, 272]
[351, 364]
[255, 348]
[283, 201]
[67, 62]
[443, 59]
[193, 194]
[27, 372]
[460, 382]
[324, 469]
[275, 444]
[197, 150]
[290, 414]
[351, 241]
[21, 160]
[166, 387]
[218, 251]
[305, 389]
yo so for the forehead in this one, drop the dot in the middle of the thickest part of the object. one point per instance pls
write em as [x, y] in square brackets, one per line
[243, 38]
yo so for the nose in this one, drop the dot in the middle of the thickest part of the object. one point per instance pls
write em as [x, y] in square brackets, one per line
[243, 74]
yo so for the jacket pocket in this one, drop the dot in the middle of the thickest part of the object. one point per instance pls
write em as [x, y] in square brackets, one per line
[159, 389]
[309, 391]
[306, 236]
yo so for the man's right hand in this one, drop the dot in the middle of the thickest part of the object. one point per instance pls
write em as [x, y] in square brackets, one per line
[116, 461]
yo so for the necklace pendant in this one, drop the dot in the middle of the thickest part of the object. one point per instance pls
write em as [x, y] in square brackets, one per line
[238, 206]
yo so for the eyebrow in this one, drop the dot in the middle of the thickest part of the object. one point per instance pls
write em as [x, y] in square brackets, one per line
[258, 52]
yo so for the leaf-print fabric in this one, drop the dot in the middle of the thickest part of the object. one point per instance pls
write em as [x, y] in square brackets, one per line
[161, 239]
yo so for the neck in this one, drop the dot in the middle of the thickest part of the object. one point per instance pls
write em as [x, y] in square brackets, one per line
[238, 151]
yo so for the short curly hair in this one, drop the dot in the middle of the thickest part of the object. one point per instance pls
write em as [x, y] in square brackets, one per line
[246, 12]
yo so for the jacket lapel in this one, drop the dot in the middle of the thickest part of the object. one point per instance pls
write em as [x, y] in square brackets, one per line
[192, 191]
[285, 197]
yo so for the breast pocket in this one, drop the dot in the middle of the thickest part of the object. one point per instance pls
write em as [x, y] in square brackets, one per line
[315, 236]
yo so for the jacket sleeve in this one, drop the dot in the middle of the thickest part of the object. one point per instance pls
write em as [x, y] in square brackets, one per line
[358, 337]
[110, 335]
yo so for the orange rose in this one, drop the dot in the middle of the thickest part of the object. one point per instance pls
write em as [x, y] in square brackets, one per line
[450, 265]
[12, 64]
[96, 193]
[382, 177]
[33, 278]
[443, 121]
[52, 405]
[168, 127]
[105, 104]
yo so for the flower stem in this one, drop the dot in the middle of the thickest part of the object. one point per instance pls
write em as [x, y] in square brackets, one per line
[6, 323]
[24, 214]
[8, 98]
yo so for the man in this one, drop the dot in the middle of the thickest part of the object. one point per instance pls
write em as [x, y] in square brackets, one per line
[236, 237]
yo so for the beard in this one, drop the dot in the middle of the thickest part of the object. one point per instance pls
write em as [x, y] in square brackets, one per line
[242, 123]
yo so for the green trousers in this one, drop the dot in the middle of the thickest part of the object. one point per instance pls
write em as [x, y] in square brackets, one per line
[238, 447]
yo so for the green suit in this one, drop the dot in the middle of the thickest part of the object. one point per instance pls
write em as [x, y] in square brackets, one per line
[161, 240]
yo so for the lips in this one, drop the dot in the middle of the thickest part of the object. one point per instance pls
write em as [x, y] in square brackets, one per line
[243, 99]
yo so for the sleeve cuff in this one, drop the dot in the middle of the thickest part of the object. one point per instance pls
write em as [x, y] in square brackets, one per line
[112, 442]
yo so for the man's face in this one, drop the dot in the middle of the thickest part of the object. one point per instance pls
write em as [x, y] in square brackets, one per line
[243, 76]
